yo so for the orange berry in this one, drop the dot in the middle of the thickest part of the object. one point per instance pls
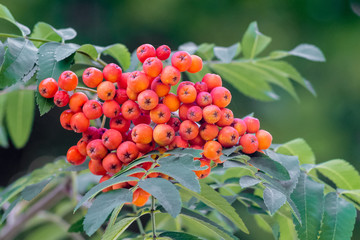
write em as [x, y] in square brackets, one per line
[111, 163]
[249, 143]
[252, 124]
[96, 167]
[142, 133]
[77, 101]
[239, 125]
[111, 139]
[208, 131]
[74, 157]
[196, 64]
[68, 81]
[65, 119]
[264, 138]
[181, 60]
[92, 77]
[221, 96]
[111, 108]
[203, 173]
[96, 150]
[48, 88]
[79, 122]
[112, 72]
[194, 113]
[106, 90]
[170, 75]
[103, 179]
[212, 81]
[130, 110]
[163, 134]
[188, 130]
[212, 150]
[227, 117]
[138, 81]
[152, 66]
[160, 114]
[148, 99]
[228, 136]
[159, 87]
[172, 102]
[145, 51]
[211, 114]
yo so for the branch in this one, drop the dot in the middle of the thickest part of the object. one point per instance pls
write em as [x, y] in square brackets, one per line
[9, 231]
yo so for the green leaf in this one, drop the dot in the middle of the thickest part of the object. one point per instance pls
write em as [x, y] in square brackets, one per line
[246, 81]
[197, 77]
[78, 168]
[98, 188]
[6, 15]
[188, 151]
[268, 165]
[65, 50]
[206, 51]
[33, 190]
[298, 147]
[134, 62]
[206, 222]
[102, 207]
[226, 54]
[286, 225]
[120, 53]
[352, 194]
[178, 236]
[189, 47]
[165, 192]
[44, 31]
[89, 50]
[3, 137]
[309, 199]
[309, 52]
[180, 168]
[213, 199]
[339, 218]
[118, 228]
[20, 116]
[49, 67]
[66, 33]
[254, 42]
[340, 172]
[248, 181]
[9, 209]
[77, 227]
[20, 57]
[273, 199]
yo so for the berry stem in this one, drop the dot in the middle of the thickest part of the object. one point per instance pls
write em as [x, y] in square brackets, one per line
[8, 35]
[103, 121]
[153, 217]
[138, 221]
[103, 63]
[86, 89]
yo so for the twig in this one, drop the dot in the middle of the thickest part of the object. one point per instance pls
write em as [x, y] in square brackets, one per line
[138, 221]
[153, 223]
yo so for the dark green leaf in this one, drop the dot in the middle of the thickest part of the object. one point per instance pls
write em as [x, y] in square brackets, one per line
[206, 222]
[20, 57]
[77, 226]
[120, 53]
[310, 52]
[245, 80]
[165, 192]
[98, 188]
[273, 199]
[342, 173]
[65, 33]
[298, 147]
[3, 137]
[49, 67]
[254, 42]
[248, 181]
[9, 209]
[33, 190]
[44, 31]
[178, 236]
[339, 218]
[65, 50]
[268, 165]
[180, 168]
[226, 54]
[102, 207]
[352, 194]
[89, 50]
[118, 228]
[228, 151]
[2, 52]
[20, 115]
[309, 199]
[6, 15]
[78, 168]
[188, 151]
[206, 51]
[213, 199]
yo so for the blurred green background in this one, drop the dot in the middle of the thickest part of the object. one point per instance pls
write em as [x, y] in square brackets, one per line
[330, 122]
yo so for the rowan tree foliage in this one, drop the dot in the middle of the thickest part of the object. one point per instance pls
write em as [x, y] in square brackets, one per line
[282, 188]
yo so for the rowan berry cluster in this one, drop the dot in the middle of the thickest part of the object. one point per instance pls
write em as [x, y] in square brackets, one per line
[144, 115]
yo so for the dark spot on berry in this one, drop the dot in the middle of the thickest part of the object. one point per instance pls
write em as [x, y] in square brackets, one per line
[188, 130]
[168, 134]
[233, 137]
[113, 166]
[161, 114]
[92, 150]
[147, 101]
[174, 79]
[130, 110]
[127, 155]
[118, 122]
[87, 73]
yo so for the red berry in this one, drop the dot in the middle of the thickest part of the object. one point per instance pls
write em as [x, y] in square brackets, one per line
[145, 51]
[48, 88]
[61, 98]
[163, 52]
[68, 81]
[112, 72]
[92, 77]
